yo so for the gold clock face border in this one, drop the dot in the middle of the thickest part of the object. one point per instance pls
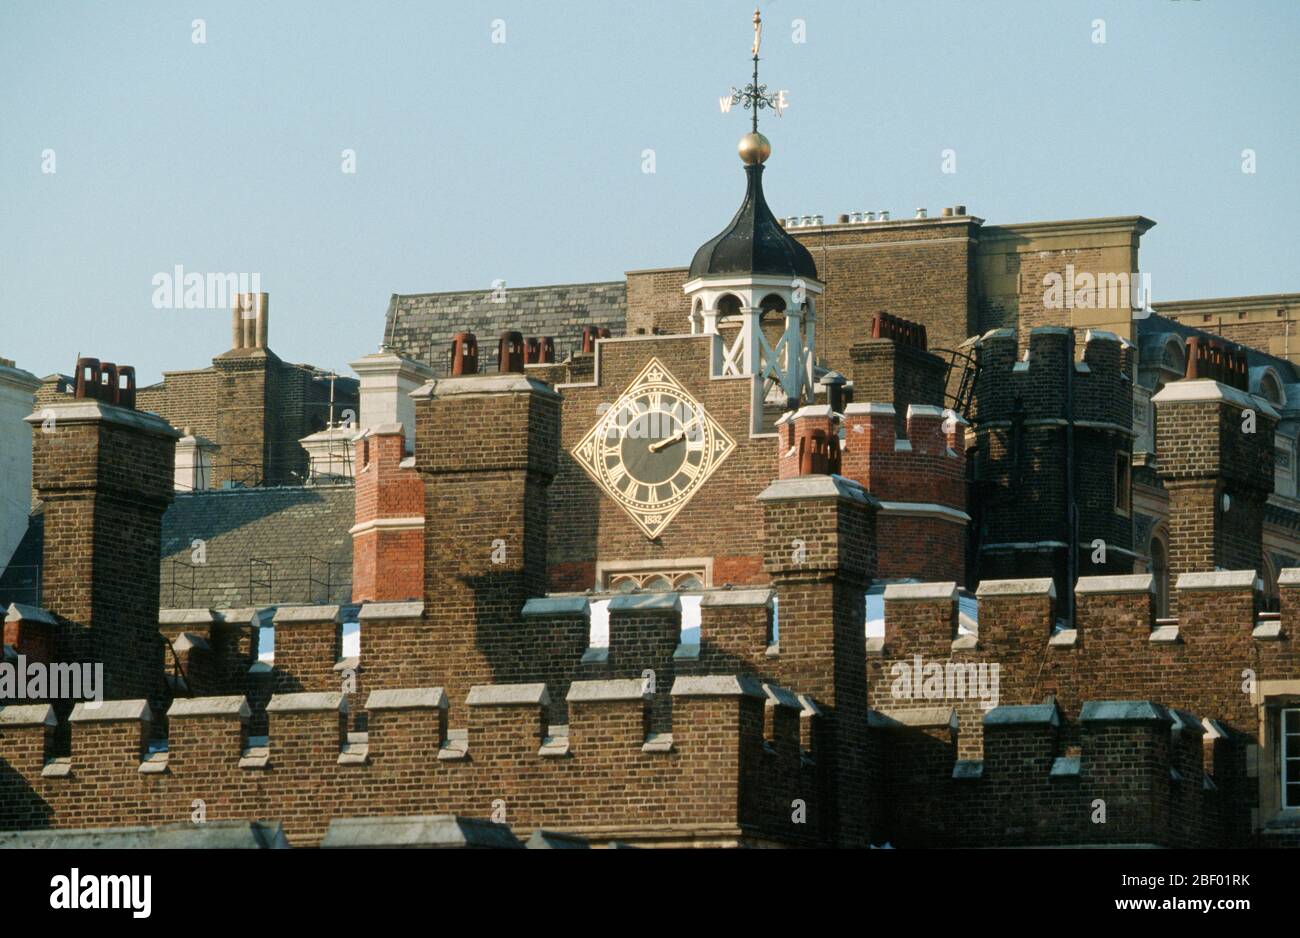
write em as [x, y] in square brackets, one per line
[653, 523]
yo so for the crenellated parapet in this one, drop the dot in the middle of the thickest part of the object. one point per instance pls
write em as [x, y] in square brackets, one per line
[1052, 432]
[1222, 657]
[920, 482]
[726, 771]
[388, 536]
[1130, 772]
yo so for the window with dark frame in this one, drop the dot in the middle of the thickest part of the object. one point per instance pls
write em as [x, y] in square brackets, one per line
[1123, 468]
[1291, 758]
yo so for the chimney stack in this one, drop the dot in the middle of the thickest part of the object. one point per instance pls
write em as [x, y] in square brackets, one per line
[105, 475]
[510, 352]
[248, 320]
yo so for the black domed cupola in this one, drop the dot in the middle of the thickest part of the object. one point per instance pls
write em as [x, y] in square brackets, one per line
[754, 241]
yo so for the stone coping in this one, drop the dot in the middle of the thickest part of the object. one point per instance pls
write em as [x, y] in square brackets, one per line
[110, 710]
[18, 612]
[181, 616]
[410, 698]
[310, 702]
[1186, 721]
[633, 688]
[811, 410]
[1131, 583]
[1123, 711]
[920, 592]
[502, 695]
[920, 717]
[869, 409]
[924, 510]
[547, 606]
[1038, 586]
[28, 715]
[645, 602]
[817, 486]
[1201, 390]
[288, 615]
[408, 610]
[554, 840]
[232, 706]
[85, 410]
[487, 383]
[741, 597]
[430, 830]
[241, 615]
[718, 685]
[778, 696]
[1219, 580]
[1023, 715]
[183, 836]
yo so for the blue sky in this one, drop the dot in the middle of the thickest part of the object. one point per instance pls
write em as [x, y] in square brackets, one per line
[522, 160]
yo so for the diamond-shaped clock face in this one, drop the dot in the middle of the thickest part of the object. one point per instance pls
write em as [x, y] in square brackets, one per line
[653, 449]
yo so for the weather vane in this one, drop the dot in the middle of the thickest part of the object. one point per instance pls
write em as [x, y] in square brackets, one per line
[755, 96]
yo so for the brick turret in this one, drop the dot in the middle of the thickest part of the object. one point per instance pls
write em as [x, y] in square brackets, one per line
[1215, 445]
[1053, 443]
[388, 537]
[920, 480]
[104, 474]
[819, 549]
[895, 367]
[486, 447]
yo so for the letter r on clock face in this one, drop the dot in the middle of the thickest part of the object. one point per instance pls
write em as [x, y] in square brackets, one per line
[653, 449]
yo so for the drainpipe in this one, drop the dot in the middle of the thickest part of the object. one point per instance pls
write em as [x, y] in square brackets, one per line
[1071, 503]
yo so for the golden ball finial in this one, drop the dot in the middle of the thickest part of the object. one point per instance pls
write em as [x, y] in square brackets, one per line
[754, 148]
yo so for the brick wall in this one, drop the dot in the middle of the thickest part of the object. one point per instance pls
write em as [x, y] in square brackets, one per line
[1218, 470]
[1020, 496]
[105, 476]
[387, 556]
[587, 527]
[656, 303]
[686, 795]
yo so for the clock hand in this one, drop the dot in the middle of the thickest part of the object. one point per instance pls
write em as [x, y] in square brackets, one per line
[675, 438]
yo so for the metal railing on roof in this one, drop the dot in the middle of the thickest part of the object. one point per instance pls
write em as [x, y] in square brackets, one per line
[255, 582]
[20, 583]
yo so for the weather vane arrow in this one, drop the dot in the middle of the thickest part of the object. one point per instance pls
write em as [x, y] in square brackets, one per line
[754, 96]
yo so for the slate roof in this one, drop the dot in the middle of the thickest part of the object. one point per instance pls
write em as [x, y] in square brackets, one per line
[1155, 325]
[420, 326]
[260, 546]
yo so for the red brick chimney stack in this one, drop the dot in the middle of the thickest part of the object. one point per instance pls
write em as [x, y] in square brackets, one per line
[104, 475]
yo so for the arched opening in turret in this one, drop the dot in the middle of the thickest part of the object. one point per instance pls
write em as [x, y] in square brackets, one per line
[1269, 387]
[772, 319]
[1160, 571]
[697, 317]
[728, 307]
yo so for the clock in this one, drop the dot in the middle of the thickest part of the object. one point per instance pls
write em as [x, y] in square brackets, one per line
[653, 449]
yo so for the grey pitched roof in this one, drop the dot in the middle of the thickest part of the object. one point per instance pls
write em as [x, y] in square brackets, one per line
[420, 326]
[20, 580]
[1155, 324]
[260, 545]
